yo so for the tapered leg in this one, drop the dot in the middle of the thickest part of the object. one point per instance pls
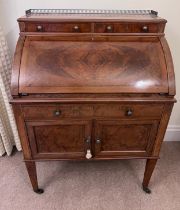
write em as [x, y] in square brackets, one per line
[150, 165]
[31, 168]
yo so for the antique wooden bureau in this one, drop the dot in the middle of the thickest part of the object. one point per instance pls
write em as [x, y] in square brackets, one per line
[92, 84]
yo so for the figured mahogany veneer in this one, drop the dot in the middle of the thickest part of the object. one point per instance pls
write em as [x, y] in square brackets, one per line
[92, 87]
[84, 66]
[58, 27]
[91, 110]
[128, 28]
[108, 27]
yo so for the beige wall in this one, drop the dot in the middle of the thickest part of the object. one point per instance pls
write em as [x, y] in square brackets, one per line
[10, 10]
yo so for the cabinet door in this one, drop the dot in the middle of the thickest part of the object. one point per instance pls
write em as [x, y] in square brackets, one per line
[65, 139]
[130, 138]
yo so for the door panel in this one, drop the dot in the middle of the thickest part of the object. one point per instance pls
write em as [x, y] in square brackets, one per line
[124, 138]
[59, 139]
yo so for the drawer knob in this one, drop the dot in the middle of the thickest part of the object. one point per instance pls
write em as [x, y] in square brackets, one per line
[129, 112]
[39, 28]
[57, 112]
[88, 140]
[88, 154]
[145, 29]
[98, 141]
[109, 28]
[76, 28]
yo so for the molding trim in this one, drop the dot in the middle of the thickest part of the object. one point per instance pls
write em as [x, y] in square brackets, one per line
[172, 133]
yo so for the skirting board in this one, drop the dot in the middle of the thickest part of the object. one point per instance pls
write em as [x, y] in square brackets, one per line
[172, 133]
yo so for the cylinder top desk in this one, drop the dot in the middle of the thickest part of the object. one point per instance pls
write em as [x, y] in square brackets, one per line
[92, 85]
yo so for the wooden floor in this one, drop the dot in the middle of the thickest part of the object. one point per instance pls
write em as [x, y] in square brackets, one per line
[103, 185]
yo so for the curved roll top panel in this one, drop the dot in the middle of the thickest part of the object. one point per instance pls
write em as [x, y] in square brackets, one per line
[125, 65]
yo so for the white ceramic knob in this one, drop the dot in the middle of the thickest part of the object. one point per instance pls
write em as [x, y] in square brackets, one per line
[88, 154]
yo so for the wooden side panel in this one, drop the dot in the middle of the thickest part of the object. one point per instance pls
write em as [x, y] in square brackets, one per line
[22, 26]
[169, 66]
[22, 132]
[162, 129]
[16, 66]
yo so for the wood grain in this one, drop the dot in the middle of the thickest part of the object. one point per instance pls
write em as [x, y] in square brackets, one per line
[63, 138]
[169, 66]
[32, 112]
[150, 165]
[125, 138]
[16, 66]
[99, 83]
[83, 67]
[31, 169]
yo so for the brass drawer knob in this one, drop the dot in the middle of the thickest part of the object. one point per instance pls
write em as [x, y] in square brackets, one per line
[145, 29]
[129, 112]
[98, 141]
[109, 28]
[39, 28]
[57, 113]
[76, 28]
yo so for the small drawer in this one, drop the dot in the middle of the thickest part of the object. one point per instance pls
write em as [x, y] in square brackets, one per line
[145, 28]
[128, 110]
[120, 111]
[113, 28]
[127, 28]
[54, 112]
[104, 28]
[58, 27]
